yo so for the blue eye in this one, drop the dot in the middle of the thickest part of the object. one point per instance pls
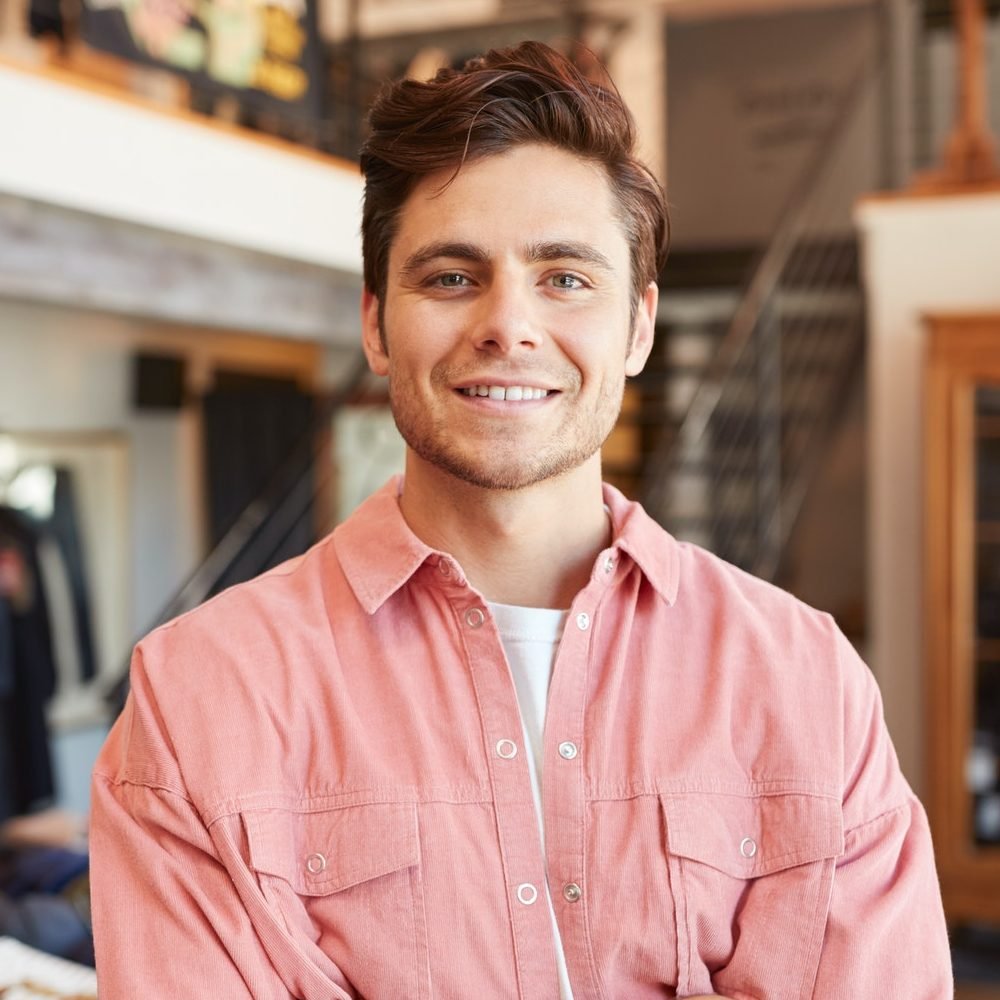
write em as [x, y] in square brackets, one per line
[567, 281]
[451, 280]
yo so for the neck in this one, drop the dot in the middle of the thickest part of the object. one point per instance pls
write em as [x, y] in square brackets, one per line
[533, 547]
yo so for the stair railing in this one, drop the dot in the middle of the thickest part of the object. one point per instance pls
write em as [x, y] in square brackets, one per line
[753, 441]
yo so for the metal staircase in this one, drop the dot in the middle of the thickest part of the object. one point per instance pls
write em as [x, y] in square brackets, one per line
[739, 406]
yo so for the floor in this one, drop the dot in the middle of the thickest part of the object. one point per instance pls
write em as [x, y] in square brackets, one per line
[975, 952]
[964, 991]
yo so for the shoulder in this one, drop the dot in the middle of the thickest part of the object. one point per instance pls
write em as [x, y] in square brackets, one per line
[250, 617]
[244, 652]
[239, 672]
[781, 664]
[761, 615]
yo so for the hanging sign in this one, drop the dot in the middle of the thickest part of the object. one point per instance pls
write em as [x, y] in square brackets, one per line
[267, 51]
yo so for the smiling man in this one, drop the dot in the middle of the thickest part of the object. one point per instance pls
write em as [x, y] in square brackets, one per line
[499, 735]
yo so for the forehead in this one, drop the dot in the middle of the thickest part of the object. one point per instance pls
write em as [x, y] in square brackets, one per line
[528, 194]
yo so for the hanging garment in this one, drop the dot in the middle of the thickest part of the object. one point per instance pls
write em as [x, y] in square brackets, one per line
[64, 526]
[6, 697]
[23, 725]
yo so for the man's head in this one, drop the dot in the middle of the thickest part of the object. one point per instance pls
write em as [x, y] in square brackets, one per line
[505, 99]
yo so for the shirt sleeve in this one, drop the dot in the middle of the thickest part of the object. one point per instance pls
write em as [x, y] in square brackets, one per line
[170, 918]
[886, 933]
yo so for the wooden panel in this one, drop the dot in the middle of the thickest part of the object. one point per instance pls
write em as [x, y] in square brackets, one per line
[55, 255]
[963, 353]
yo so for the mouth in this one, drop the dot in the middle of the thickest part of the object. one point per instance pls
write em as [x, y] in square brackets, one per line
[511, 393]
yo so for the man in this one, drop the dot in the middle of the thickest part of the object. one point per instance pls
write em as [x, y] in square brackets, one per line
[499, 735]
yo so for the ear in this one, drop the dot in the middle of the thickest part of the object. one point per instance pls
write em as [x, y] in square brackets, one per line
[371, 336]
[642, 332]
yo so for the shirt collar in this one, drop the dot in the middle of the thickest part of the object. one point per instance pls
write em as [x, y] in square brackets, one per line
[652, 549]
[379, 553]
[377, 549]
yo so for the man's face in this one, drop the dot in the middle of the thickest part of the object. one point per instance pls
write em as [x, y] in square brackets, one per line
[507, 318]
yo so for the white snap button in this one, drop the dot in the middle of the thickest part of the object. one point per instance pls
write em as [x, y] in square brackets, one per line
[506, 749]
[315, 864]
[583, 621]
[572, 892]
[474, 617]
[609, 564]
[446, 570]
[748, 847]
[527, 893]
[567, 750]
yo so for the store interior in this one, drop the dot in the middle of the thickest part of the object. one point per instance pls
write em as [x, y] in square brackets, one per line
[184, 403]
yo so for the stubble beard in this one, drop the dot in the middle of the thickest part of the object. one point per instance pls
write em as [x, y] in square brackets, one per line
[503, 462]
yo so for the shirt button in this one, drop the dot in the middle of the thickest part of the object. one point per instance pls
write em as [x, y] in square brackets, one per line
[583, 621]
[445, 567]
[748, 847]
[567, 750]
[506, 749]
[315, 864]
[527, 893]
[474, 617]
[572, 892]
[609, 564]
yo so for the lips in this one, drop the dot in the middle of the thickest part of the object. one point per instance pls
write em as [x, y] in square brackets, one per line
[512, 393]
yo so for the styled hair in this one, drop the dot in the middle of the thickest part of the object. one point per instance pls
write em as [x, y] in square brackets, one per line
[506, 98]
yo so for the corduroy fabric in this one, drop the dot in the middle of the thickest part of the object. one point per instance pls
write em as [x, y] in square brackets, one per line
[310, 795]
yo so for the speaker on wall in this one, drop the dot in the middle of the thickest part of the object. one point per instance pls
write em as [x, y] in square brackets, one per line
[157, 381]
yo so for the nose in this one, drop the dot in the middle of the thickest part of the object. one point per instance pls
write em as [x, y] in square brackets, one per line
[507, 318]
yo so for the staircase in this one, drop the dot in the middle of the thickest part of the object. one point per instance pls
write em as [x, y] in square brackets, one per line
[750, 379]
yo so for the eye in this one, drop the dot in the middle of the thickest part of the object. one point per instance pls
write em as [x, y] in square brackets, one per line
[450, 279]
[569, 282]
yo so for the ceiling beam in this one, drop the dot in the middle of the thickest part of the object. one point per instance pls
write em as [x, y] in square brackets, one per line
[55, 255]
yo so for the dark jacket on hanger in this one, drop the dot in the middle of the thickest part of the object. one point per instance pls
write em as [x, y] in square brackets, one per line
[22, 713]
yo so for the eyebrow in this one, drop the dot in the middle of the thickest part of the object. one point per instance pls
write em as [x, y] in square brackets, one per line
[435, 251]
[535, 253]
[568, 250]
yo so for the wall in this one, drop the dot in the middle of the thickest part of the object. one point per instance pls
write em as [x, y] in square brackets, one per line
[919, 255]
[69, 371]
[749, 99]
[114, 157]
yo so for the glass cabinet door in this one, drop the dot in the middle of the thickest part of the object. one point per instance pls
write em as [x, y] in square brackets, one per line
[982, 771]
[962, 610]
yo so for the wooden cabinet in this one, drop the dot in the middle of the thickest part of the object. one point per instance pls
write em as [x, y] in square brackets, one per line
[962, 610]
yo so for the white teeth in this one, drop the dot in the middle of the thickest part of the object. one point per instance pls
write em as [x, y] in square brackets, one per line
[512, 393]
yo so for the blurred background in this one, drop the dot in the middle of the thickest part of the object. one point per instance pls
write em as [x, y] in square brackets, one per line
[183, 404]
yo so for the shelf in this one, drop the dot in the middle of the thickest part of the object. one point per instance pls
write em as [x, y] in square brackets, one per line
[988, 650]
[988, 532]
[987, 427]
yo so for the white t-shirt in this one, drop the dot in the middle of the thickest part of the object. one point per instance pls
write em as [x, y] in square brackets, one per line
[530, 637]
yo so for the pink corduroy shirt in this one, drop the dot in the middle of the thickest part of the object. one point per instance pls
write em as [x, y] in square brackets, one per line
[318, 789]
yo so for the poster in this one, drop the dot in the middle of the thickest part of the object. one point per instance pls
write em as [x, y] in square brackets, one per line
[266, 51]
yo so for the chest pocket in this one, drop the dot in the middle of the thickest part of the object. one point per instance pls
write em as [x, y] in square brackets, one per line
[751, 878]
[347, 882]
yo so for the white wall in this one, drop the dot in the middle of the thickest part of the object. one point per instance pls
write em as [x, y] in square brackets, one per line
[68, 371]
[919, 255]
[68, 146]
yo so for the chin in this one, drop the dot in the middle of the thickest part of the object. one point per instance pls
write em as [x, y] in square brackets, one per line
[516, 473]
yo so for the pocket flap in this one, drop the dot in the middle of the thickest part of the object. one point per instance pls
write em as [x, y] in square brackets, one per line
[752, 835]
[329, 850]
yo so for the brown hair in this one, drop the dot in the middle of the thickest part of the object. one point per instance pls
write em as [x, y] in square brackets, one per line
[505, 98]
